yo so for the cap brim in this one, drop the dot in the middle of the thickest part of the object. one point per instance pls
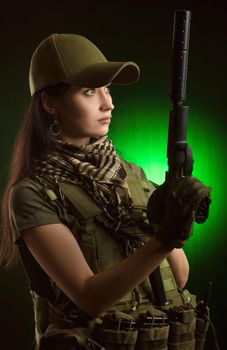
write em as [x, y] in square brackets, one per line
[103, 73]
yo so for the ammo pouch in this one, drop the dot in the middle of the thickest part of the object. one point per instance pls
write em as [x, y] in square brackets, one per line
[116, 332]
[202, 325]
[120, 331]
[153, 331]
[182, 323]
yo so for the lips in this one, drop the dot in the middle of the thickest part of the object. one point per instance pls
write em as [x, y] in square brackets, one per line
[105, 119]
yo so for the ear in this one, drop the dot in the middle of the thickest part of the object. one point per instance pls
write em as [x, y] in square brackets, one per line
[47, 103]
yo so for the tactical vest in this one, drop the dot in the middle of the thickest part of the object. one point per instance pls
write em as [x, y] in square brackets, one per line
[134, 322]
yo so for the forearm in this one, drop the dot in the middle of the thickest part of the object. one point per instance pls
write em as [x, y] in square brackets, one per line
[180, 267]
[107, 287]
[59, 254]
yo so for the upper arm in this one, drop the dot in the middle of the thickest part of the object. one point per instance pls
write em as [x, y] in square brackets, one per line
[38, 221]
[29, 207]
[58, 253]
[180, 266]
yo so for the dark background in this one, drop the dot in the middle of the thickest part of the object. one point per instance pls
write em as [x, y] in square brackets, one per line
[125, 30]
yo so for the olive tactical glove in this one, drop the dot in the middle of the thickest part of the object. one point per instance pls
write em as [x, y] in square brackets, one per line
[173, 208]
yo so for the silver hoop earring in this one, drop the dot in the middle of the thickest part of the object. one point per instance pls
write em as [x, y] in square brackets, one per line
[55, 128]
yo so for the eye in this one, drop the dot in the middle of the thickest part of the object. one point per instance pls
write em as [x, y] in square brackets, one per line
[107, 89]
[90, 92]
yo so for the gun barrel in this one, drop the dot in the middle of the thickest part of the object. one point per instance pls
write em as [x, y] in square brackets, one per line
[180, 48]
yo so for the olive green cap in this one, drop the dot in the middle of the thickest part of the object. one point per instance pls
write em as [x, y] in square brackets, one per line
[73, 59]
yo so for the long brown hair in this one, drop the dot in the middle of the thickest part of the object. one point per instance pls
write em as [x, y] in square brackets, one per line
[34, 140]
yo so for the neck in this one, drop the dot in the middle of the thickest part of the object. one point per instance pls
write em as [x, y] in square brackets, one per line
[74, 140]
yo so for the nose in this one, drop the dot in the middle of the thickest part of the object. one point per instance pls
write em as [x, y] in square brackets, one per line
[106, 103]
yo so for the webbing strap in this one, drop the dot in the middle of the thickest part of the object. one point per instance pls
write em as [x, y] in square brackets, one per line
[168, 284]
[164, 264]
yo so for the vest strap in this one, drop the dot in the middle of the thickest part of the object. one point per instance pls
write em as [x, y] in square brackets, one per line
[81, 200]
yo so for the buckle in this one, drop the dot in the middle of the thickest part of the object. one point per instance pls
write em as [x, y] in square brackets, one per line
[115, 322]
[147, 320]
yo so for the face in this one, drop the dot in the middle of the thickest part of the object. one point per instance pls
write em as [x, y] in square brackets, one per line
[84, 113]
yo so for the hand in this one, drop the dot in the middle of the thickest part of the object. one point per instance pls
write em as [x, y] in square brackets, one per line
[173, 207]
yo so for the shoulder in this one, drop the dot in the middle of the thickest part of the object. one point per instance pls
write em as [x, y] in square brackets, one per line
[26, 188]
[27, 192]
[29, 206]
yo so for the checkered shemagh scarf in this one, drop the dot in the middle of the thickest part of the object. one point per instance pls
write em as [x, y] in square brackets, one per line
[98, 169]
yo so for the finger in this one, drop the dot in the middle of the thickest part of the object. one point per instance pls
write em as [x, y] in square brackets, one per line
[183, 193]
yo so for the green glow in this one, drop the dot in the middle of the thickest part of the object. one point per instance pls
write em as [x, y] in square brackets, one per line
[140, 135]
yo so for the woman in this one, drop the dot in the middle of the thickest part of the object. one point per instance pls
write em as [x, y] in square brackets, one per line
[77, 211]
